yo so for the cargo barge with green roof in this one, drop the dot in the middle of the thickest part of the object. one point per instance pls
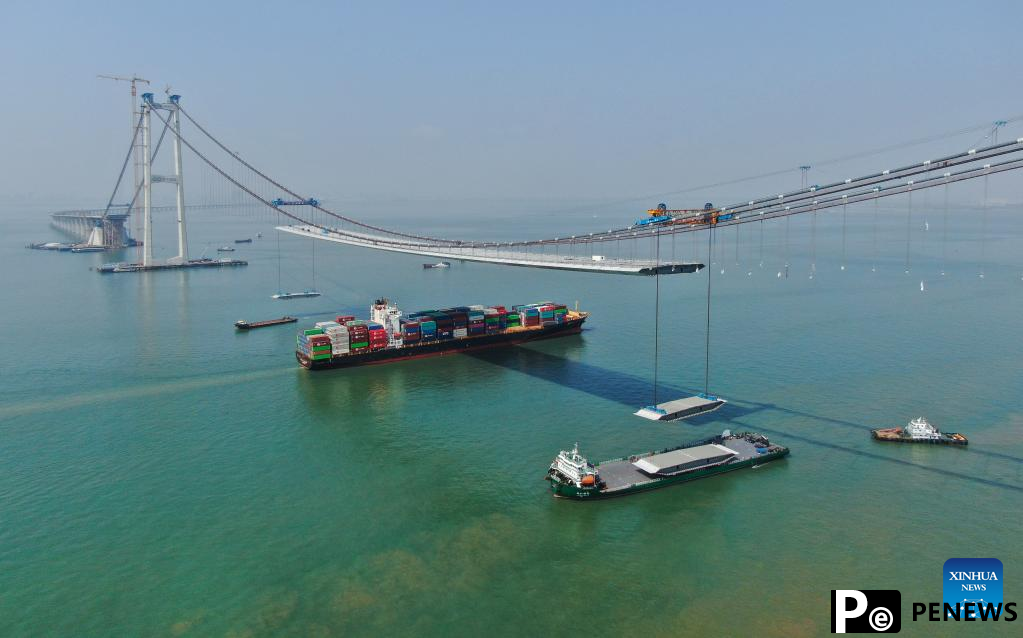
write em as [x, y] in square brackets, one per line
[572, 476]
[391, 336]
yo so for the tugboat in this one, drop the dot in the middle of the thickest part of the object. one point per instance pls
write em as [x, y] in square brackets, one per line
[441, 264]
[225, 249]
[572, 476]
[919, 431]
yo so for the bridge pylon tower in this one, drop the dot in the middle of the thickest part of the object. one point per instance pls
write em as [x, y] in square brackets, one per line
[172, 107]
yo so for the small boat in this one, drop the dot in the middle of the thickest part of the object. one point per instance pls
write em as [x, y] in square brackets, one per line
[442, 264]
[245, 325]
[225, 249]
[918, 431]
[87, 249]
[259, 235]
[296, 295]
[243, 241]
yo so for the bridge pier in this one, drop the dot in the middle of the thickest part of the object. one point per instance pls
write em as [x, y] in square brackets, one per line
[80, 225]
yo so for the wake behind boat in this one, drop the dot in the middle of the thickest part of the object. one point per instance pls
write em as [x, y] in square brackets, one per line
[442, 264]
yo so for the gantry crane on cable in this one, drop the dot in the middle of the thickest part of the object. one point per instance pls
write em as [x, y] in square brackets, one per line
[662, 215]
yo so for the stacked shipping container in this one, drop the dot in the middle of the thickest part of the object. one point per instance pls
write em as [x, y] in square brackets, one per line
[350, 335]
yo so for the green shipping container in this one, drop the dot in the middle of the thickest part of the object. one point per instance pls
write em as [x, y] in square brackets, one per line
[319, 349]
[364, 344]
[320, 357]
[312, 331]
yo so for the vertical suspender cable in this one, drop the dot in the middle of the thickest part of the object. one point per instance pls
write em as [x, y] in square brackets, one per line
[657, 309]
[737, 244]
[787, 222]
[279, 289]
[909, 225]
[813, 241]
[983, 229]
[874, 267]
[761, 242]
[844, 205]
[706, 360]
[944, 232]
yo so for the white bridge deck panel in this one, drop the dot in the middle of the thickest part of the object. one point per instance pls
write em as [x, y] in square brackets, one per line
[495, 255]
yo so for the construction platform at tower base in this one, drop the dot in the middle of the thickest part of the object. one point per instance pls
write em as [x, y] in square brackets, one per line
[172, 265]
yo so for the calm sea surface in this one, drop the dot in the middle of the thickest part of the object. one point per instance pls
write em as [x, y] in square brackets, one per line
[163, 475]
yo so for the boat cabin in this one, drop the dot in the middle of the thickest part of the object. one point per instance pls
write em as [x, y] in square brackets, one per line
[575, 467]
[919, 428]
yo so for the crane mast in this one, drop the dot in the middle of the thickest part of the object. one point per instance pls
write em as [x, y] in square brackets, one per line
[136, 112]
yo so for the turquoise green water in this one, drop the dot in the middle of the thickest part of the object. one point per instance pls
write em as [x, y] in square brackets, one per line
[162, 475]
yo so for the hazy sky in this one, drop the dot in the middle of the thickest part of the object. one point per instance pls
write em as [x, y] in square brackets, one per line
[531, 100]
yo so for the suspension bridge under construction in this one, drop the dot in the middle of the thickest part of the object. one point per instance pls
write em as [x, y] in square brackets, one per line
[633, 249]
[597, 252]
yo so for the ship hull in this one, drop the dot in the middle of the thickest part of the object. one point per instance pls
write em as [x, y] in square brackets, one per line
[888, 435]
[568, 490]
[443, 347]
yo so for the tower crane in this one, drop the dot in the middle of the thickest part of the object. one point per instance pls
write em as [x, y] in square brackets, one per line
[136, 107]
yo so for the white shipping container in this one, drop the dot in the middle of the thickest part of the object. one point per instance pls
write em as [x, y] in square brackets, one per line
[460, 332]
[327, 324]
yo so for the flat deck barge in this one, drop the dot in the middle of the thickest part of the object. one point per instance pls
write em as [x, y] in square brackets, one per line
[192, 263]
[572, 476]
[241, 324]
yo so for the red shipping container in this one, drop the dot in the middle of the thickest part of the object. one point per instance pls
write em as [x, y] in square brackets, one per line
[343, 319]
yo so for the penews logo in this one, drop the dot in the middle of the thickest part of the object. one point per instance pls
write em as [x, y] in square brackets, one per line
[866, 611]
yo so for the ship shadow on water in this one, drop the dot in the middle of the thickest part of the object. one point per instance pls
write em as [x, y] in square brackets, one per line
[628, 389]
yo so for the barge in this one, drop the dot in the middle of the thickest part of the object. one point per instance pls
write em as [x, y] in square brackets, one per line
[241, 324]
[572, 476]
[918, 431]
[390, 336]
[191, 263]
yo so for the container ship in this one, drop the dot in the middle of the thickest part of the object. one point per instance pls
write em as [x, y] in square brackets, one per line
[572, 476]
[919, 431]
[391, 336]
